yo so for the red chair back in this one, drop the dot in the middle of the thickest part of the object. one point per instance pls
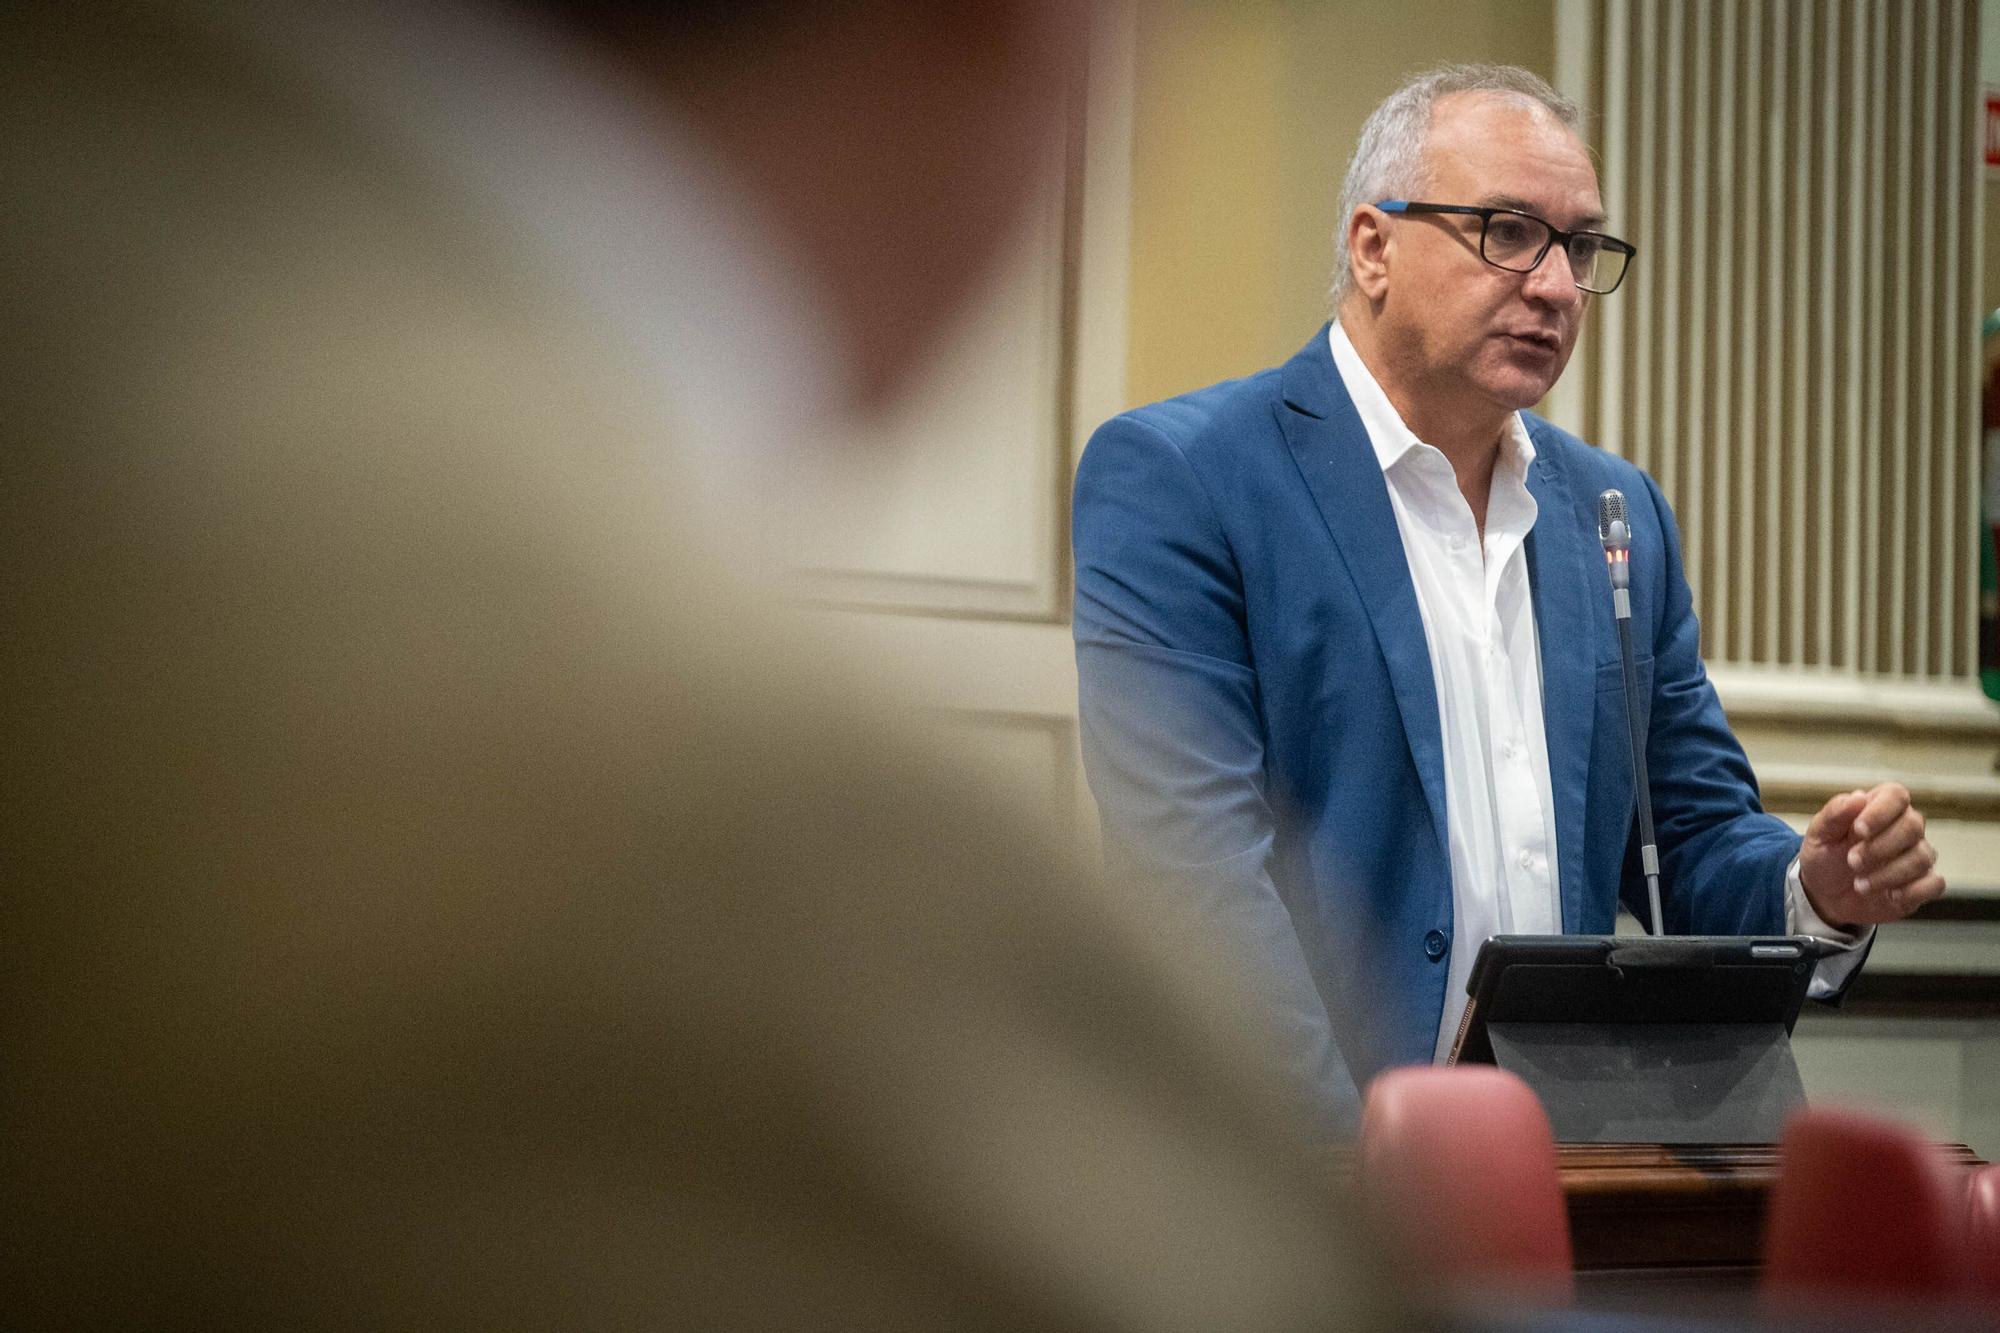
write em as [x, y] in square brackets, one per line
[1460, 1167]
[1982, 1231]
[1865, 1209]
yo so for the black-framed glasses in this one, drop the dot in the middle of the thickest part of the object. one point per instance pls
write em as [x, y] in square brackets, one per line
[1518, 242]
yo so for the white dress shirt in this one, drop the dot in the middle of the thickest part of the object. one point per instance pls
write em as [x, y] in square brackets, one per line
[1478, 613]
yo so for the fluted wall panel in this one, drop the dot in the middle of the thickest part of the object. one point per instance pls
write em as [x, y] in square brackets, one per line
[1795, 356]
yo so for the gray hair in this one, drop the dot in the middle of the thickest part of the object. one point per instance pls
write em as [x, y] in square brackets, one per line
[1388, 160]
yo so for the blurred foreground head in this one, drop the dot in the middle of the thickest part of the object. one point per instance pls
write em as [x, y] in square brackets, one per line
[433, 896]
[894, 143]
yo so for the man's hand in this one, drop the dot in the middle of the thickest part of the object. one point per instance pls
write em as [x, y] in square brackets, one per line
[1865, 859]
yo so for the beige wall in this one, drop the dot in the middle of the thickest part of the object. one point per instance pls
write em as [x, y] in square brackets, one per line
[1243, 120]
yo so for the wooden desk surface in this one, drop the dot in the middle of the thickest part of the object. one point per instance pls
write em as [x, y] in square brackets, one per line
[1642, 1205]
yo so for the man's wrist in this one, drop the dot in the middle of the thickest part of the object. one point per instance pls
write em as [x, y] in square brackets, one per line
[1802, 914]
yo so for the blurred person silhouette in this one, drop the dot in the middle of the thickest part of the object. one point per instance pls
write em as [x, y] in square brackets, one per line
[438, 892]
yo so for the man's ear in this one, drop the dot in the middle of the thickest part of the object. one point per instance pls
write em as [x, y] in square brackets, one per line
[1368, 251]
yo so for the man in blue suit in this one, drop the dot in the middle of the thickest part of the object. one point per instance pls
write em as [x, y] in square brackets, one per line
[1348, 666]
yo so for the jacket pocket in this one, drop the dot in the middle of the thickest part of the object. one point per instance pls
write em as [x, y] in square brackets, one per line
[1611, 677]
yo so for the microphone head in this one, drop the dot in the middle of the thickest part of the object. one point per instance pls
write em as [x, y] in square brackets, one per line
[1612, 529]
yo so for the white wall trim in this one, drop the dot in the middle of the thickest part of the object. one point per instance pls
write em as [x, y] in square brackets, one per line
[1856, 702]
[1104, 280]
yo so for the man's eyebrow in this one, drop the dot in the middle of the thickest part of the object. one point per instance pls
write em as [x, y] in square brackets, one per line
[1589, 222]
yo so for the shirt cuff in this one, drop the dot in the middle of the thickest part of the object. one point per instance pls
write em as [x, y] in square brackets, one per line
[1800, 919]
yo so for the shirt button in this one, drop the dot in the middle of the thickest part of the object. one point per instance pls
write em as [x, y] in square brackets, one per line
[1434, 945]
[1455, 545]
[1526, 858]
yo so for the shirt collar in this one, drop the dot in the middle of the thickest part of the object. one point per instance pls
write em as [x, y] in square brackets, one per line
[1389, 436]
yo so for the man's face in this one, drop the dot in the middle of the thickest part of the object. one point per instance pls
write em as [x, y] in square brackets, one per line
[1461, 327]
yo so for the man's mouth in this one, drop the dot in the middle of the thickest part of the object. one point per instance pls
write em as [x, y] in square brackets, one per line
[1540, 341]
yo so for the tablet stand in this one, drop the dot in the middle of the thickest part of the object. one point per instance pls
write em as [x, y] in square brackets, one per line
[1638, 1040]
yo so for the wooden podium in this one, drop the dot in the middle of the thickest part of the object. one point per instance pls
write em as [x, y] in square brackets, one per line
[1652, 1216]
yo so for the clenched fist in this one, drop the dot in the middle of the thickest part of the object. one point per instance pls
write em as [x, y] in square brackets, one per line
[1865, 859]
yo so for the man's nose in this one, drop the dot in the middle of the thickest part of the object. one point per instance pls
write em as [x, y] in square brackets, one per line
[1553, 280]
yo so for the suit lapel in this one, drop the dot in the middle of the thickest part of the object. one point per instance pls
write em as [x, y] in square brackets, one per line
[1331, 449]
[1561, 565]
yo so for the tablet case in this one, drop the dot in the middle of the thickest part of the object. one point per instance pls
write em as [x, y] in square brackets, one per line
[1633, 1039]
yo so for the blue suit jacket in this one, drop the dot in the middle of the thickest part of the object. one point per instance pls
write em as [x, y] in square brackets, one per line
[1260, 720]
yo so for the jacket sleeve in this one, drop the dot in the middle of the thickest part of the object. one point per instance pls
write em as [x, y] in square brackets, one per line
[1722, 859]
[1172, 734]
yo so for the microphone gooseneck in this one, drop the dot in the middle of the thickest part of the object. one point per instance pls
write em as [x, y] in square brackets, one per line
[1614, 530]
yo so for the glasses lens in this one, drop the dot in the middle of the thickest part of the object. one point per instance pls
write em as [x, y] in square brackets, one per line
[1514, 240]
[1599, 266]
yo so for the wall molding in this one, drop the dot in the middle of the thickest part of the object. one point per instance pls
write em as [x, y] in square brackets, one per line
[1882, 705]
[1051, 339]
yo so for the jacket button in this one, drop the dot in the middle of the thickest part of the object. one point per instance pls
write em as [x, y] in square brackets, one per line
[1434, 945]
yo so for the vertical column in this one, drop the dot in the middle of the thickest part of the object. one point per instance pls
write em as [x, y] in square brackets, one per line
[1926, 225]
[1695, 440]
[1900, 442]
[1875, 318]
[1768, 647]
[1612, 318]
[1725, 443]
[1672, 332]
[1857, 257]
[1965, 510]
[1800, 315]
[1645, 320]
[1750, 436]
[1821, 442]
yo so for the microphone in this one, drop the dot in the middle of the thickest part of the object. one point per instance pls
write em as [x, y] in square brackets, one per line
[1616, 534]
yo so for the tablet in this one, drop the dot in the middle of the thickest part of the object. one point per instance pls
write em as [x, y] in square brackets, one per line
[1689, 980]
